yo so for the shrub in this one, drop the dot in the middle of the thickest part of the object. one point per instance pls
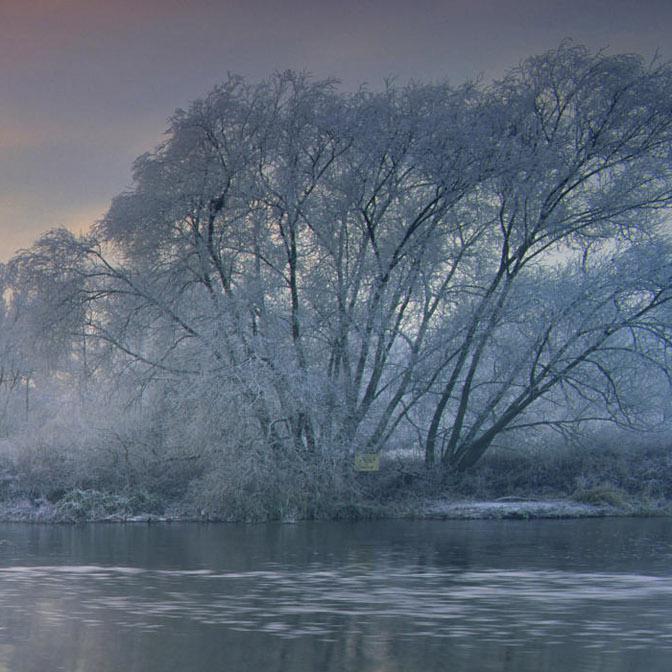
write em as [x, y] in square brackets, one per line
[603, 494]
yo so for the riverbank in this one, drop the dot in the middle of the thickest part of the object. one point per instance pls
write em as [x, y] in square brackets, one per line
[83, 507]
[521, 509]
[607, 479]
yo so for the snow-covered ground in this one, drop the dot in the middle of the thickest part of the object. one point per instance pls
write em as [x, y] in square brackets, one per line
[517, 508]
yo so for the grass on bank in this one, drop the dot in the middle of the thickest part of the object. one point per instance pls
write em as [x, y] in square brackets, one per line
[254, 487]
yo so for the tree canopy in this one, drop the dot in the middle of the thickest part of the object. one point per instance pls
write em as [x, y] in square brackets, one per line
[318, 272]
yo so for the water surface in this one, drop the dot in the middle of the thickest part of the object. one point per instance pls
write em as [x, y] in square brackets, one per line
[537, 596]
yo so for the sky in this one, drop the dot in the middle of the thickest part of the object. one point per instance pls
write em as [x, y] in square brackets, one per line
[88, 85]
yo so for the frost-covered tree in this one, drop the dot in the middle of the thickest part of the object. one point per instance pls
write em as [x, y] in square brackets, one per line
[583, 169]
[462, 261]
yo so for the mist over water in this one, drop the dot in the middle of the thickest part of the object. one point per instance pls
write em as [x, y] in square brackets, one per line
[462, 595]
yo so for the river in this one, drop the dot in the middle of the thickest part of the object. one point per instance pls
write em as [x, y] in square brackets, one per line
[390, 596]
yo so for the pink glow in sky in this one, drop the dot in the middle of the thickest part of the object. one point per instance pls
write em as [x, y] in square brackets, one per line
[87, 85]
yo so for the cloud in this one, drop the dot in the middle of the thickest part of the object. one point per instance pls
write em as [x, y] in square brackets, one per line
[17, 136]
[23, 220]
[87, 85]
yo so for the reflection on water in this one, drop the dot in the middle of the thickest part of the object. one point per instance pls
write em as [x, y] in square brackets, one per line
[489, 595]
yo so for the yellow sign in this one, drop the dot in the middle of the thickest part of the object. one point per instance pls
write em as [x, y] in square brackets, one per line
[367, 462]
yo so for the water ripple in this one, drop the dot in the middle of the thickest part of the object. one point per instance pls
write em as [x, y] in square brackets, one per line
[591, 609]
